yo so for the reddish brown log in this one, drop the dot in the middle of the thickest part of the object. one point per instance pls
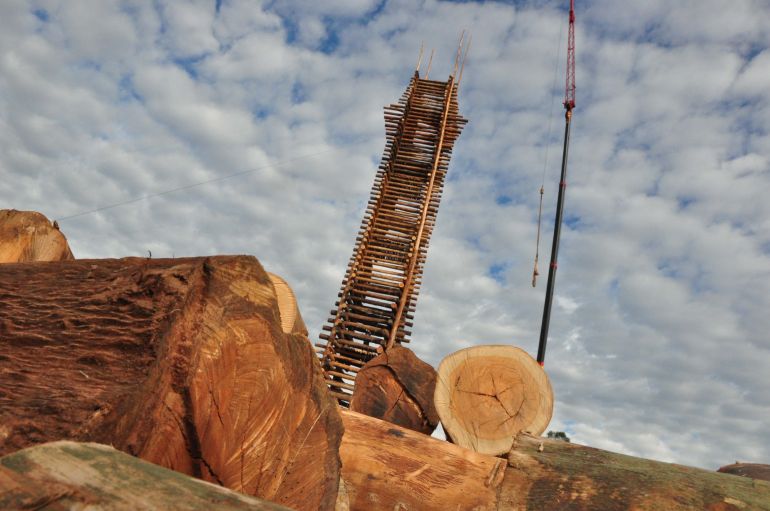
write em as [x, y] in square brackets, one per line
[27, 236]
[181, 362]
[752, 470]
[388, 467]
[397, 387]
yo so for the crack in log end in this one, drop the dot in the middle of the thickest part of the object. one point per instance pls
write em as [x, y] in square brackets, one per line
[395, 432]
[193, 441]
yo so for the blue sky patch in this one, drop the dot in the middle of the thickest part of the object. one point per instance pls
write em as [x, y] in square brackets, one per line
[498, 270]
[41, 14]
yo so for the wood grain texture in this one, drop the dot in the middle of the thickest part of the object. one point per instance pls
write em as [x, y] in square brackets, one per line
[27, 236]
[486, 395]
[398, 387]
[61, 476]
[548, 474]
[291, 319]
[388, 467]
[181, 362]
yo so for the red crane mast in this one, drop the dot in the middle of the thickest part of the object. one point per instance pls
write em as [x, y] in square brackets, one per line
[569, 104]
[569, 87]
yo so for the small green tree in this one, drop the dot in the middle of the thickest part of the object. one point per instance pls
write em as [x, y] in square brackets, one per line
[558, 435]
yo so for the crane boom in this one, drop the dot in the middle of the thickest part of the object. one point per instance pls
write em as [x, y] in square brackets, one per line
[569, 87]
[569, 104]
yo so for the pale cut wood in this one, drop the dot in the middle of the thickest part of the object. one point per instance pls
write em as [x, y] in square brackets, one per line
[181, 362]
[388, 467]
[27, 236]
[385, 466]
[398, 387]
[67, 475]
[291, 319]
[486, 395]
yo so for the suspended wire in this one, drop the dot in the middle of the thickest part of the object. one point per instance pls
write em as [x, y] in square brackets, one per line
[193, 185]
[535, 273]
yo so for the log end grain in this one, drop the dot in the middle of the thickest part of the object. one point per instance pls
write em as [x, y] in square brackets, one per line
[486, 395]
[398, 387]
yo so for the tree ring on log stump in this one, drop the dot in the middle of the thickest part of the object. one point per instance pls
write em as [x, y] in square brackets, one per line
[486, 395]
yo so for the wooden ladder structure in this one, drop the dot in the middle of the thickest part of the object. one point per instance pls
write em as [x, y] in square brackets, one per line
[376, 303]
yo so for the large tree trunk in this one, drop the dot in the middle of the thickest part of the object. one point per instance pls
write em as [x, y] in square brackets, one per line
[385, 466]
[181, 362]
[69, 475]
[388, 467]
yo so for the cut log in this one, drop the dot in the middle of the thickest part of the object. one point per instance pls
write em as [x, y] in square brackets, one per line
[552, 474]
[385, 466]
[181, 362]
[27, 236]
[388, 467]
[291, 319]
[397, 387]
[486, 395]
[752, 470]
[69, 475]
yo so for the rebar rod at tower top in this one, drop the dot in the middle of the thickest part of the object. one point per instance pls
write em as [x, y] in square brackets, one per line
[379, 292]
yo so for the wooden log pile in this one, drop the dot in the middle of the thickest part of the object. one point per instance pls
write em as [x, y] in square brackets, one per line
[200, 366]
[181, 362]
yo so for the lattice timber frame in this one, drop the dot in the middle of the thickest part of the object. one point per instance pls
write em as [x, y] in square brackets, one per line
[379, 292]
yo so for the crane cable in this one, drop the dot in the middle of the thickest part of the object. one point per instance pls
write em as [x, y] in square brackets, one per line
[535, 273]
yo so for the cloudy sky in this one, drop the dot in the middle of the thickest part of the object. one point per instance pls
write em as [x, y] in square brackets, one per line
[659, 343]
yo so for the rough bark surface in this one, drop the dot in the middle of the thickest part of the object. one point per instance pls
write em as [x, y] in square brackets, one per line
[551, 474]
[385, 466]
[181, 362]
[64, 475]
[752, 470]
[397, 387]
[388, 467]
[27, 236]
[486, 395]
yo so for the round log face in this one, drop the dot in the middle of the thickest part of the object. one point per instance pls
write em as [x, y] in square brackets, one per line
[397, 387]
[485, 395]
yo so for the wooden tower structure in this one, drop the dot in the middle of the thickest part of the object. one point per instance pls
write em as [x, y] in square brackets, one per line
[378, 296]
